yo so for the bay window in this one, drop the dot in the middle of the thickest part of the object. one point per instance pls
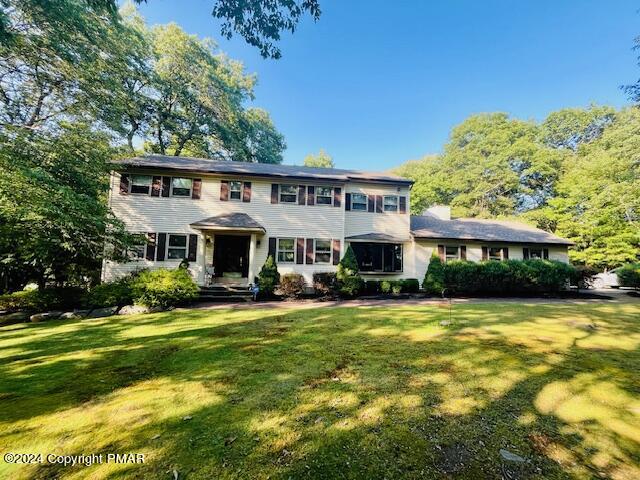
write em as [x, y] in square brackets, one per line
[378, 257]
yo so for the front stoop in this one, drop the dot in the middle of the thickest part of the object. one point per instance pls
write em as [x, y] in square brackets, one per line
[225, 293]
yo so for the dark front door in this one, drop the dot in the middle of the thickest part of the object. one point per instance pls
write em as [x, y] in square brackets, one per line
[231, 256]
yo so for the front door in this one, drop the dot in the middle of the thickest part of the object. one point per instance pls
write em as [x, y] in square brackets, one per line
[231, 256]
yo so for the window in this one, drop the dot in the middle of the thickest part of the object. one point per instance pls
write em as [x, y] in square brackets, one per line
[451, 253]
[378, 257]
[286, 252]
[359, 202]
[177, 249]
[235, 190]
[288, 194]
[141, 184]
[390, 203]
[323, 251]
[181, 187]
[495, 254]
[136, 252]
[536, 253]
[324, 195]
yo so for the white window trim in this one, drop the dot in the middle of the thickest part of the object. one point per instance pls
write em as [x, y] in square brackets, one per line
[138, 193]
[330, 196]
[278, 250]
[531, 257]
[315, 251]
[185, 248]
[280, 185]
[501, 254]
[457, 247]
[384, 201]
[239, 199]
[182, 196]
[366, 202]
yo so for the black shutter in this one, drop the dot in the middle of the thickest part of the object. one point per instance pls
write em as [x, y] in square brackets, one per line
[336, 252]
[246, 192]
[299, 250]
[193, 247]
[302, 195]
[371, 203]
[162, 243]
[505, 253]
[224, 191]
[379, 204]
[196, 191]
[525, 253]
[309, 251]
[485, 253]
[274, 192]
[272, 247]
[337, 197]
[124, 184]
[311, 195]
[403, 204]
[545, 253]
[347, 201]
[166, 186]
[151, 247]
[441, 252]
[463, 252]
[156, 186]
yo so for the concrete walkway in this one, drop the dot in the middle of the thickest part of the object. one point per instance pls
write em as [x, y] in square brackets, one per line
[603, 296]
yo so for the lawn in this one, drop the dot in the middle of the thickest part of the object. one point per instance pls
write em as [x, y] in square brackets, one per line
[358, 392]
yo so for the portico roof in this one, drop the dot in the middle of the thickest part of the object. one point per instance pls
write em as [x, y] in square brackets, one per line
[377, 237]
[229, 221]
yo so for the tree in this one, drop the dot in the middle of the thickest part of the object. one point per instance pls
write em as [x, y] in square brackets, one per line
[433, 282]
[571, 127]
[322, 159]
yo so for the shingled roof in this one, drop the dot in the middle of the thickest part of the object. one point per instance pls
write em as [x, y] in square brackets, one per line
[229, 221]
[426, 226]
[204, 165]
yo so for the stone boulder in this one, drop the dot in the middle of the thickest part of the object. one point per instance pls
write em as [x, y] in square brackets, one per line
[133, 310]
[16, 317]
[42, 317]
[102, 312]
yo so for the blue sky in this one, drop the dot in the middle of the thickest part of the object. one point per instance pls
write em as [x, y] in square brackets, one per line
[378, 82]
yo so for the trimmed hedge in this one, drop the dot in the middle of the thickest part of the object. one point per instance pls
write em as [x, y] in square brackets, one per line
[42, 300]
[406, 285]
[119, 292]
[291, 285]
[510, 277]
[629, 275]
[164, 288]
[325, 283]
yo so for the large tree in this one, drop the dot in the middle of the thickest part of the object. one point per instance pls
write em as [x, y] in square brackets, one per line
[321, 159]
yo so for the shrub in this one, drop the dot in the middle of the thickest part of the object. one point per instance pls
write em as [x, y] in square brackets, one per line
[268, 278]
[434, 278]
[583, 276]
[371, 287]
[291, 285]
[396, 287]
[325, 283]
[119, 292]
[164, 288]
[350, 284]
[629, 275]
[42, 300]
[410, 285]
[385, 286]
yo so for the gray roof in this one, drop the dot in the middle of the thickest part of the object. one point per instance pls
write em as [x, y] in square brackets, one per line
[377, 237]
[204, 165]
[229, 221]
[425, 226]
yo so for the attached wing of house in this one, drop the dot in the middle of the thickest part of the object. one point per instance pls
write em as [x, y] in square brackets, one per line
[225, 218]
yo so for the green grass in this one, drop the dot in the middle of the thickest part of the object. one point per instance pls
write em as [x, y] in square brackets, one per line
[356, 392]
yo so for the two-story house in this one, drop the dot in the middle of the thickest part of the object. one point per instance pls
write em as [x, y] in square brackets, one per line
[225, 218]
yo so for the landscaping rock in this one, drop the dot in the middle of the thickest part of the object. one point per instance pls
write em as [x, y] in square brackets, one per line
[133, 310]
[41, 317]
[16, 317]
[511, 457]
[102, 312]
[81, 313]
[69, 316]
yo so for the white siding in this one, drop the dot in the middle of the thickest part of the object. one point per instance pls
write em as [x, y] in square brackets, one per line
[396, 224]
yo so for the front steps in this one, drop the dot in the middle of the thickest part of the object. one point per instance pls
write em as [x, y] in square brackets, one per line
[225, 293]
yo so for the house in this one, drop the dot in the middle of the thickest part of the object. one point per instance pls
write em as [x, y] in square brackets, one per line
[225, 218]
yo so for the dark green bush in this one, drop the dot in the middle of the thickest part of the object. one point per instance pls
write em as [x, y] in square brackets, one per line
[119, 292]
[291, 285]
[433, 283]
[371, 287]
[511, 277]
[583, 276]
[164, 288]
[350, 284]
[629, 275]
[410, 285]
[42, 300]
[325, 283]
[268, 278]
[386, 286]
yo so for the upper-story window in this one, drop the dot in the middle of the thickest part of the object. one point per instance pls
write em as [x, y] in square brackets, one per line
[323, 251]
[288, 194]
[451, 253]
[141, 184]
[286, 252]
[324, 195]
[390, 203]
[181, 187]
[359, 202]
[235, 190]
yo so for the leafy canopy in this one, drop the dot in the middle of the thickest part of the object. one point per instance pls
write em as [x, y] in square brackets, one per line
[322, 160]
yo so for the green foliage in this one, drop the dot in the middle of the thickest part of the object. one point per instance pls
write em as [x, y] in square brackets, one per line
[325, 283]
[512, 277]
[583, 276]
[629, 275]
[433, 283]
[42, 300]
[410, 285]
[322, 159]
[108, 294]
[385, 286]
[350, 284]
[268, 278]
[164, 288]
[292, 285]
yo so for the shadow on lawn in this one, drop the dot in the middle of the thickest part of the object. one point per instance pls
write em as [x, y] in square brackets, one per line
[353, 392]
